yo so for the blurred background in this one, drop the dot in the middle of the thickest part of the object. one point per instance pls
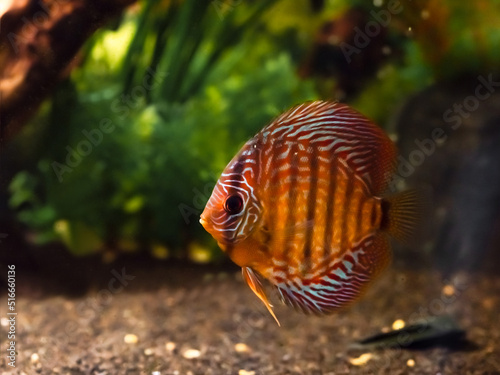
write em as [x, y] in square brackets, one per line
[118, 116]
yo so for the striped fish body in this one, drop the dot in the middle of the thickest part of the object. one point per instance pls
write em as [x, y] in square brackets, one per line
[319, 232]
[300, 205]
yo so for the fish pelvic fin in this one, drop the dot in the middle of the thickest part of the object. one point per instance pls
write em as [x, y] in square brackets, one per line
[403, 214]
[254, 283]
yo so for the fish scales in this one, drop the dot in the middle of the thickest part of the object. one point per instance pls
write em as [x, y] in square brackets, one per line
[333, 230]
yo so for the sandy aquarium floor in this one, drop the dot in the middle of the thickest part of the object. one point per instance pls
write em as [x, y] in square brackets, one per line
[156, 319]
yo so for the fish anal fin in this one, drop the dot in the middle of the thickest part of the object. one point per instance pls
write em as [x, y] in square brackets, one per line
[378, 255]
[344, 282]
[254, 283]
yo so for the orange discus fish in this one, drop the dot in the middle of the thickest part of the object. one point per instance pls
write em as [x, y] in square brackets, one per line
[301, 204]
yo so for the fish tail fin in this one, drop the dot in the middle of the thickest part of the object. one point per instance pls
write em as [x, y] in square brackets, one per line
[403, 213]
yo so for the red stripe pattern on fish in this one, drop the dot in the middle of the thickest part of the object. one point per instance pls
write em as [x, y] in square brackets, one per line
[301, 205]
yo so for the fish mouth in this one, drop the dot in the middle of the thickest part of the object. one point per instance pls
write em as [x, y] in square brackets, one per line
[204, 222]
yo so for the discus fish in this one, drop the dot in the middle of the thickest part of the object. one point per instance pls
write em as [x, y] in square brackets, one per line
[302, 205]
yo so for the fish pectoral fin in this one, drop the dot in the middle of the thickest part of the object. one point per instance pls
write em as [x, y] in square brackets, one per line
[254, 283]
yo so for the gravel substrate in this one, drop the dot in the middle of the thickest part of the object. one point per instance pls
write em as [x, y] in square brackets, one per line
[181, 319]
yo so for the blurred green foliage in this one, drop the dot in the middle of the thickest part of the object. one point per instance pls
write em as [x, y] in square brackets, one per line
[180, 86]
[163, 99]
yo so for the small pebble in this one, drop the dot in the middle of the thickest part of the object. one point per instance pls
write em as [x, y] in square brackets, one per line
[130, 338]
[191, 353]
[148, 351]
[170, 346]
[4, 322]
[241, 347]
[245, 372]
[108, 257]
[156, 373]
[35, 358]
[410, 363]
[159, 251]
[209, 277]
[361, 360]
[488, 303]
[398, 324]
[386, 50]
[449, 290]
[222, 276]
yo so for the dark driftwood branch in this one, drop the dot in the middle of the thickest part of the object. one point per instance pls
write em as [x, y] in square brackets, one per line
[39, 40]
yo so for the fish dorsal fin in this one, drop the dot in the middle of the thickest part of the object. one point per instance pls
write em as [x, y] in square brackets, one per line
[254, 283]
[342, 131]
[344, 280]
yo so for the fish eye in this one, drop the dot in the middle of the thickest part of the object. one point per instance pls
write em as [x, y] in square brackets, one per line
[233, 204]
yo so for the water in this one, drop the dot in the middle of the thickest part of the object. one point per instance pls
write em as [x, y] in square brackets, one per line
[113, 136]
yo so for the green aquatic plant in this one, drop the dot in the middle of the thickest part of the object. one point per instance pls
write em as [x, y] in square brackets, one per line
[153, 114]
[124, 155]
